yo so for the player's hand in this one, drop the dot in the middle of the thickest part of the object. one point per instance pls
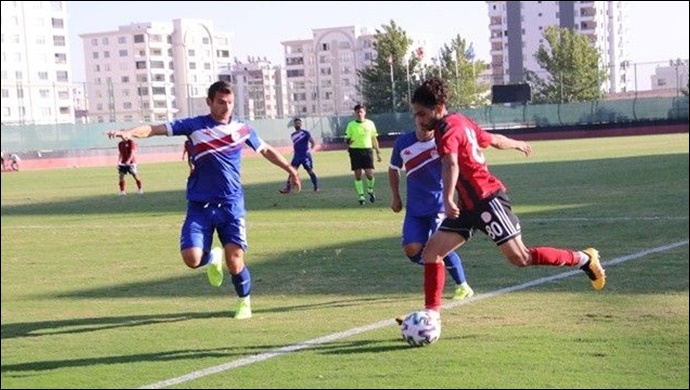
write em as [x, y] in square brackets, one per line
[396, 205]
[525, 148]
[295, 182]
[451, 209]
[118, 133]
[378, 156]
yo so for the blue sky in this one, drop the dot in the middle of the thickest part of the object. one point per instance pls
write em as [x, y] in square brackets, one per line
[659, 30]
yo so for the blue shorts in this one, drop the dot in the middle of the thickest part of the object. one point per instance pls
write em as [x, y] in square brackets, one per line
[419, 229]
[203, 219]
[304, 161]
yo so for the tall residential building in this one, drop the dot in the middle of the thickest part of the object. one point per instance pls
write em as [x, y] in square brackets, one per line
[322, 71]
[516, 29]
[36, 80]
[260, 89]
[153, 71]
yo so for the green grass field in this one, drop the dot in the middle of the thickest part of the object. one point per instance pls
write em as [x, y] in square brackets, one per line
[95, 295]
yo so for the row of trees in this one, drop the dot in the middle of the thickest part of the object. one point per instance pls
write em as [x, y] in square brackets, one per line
[572, 71]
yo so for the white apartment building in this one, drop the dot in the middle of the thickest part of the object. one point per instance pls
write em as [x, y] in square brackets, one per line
[674, 76]
[260, 89]
[322, 71]
[153, 71]
[36, 80]
[516, 29]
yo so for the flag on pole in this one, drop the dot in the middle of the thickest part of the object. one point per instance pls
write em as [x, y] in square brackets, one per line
[390, 59]
[419, 53]
[469, 53]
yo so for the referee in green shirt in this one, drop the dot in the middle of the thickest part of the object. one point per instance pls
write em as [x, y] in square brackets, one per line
[360, 135]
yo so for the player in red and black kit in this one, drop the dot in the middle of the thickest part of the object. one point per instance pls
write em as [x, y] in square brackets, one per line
[482, 200]
[127, 163]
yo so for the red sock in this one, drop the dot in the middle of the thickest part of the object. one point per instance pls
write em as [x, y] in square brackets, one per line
[138, 184]
[553, 256]
[434, 280]
[122, 185]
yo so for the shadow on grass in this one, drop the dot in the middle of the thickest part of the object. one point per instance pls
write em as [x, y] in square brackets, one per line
[524, 180]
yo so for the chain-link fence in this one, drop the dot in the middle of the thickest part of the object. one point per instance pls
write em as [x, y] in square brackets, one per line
[653, 91]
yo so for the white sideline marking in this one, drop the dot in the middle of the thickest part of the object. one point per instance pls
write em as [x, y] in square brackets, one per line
[388, 322]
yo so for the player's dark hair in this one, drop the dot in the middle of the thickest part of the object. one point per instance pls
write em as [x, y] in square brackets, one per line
[221, 86]
[360, 107]
[431, 93]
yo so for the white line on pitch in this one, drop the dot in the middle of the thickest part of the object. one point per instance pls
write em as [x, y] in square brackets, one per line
[381, 324]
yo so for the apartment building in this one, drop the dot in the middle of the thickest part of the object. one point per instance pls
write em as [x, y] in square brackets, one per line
[322, 71]
[516, 29]
[260, 88]
[153, 71]
[674, 76]
[36, 80]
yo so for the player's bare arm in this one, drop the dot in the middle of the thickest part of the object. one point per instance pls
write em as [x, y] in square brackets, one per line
[394, 183]
[142, 131]
[502, 142]
[375, 143]
[450, 172]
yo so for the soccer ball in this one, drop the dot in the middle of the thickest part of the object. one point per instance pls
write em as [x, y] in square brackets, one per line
[421, 328]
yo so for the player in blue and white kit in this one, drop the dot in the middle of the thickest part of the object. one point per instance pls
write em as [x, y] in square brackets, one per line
[302, 144]
[215, 197]
[415, 152]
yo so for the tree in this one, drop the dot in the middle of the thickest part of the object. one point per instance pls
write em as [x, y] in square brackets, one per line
[384, 84]
[456, 64]
[573, 69]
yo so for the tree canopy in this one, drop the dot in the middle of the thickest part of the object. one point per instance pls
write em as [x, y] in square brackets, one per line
[572, 69]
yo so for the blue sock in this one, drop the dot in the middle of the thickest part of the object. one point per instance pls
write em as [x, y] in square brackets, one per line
[242, 283]
[314, 180]
[454, 267]
[417, 259]
[205, 259]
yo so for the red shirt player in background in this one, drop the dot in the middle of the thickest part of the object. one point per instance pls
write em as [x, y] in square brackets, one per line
[127, 163]
[482, 202]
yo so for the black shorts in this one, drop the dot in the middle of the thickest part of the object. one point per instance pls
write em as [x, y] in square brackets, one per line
[494, 216]
[361, 158]
[127, 168]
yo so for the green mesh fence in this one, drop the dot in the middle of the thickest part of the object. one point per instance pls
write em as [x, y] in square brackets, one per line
[24, 138]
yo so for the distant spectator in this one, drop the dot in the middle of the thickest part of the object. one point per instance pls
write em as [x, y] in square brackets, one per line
[3, 161]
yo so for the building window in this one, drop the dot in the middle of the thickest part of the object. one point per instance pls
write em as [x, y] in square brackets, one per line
[58, 23]
[139, 38]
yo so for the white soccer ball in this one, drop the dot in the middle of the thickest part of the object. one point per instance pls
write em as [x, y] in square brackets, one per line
[421, 328]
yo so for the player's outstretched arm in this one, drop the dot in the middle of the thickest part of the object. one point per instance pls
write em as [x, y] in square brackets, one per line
[502, 142]
[141, 131]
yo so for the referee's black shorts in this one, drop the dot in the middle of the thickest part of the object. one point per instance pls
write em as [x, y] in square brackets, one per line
[361, 158]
